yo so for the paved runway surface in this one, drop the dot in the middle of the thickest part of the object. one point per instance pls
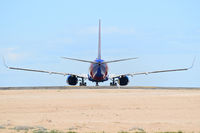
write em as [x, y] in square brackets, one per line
[97, 109]
[94, 87]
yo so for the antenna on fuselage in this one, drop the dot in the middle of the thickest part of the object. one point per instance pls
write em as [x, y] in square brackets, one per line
[99, 40]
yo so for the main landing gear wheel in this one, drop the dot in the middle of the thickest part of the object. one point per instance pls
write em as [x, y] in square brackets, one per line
[111, 84]
[83, 84]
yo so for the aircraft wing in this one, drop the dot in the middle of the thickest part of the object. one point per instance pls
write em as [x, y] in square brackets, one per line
[44, 71]
[146, 73]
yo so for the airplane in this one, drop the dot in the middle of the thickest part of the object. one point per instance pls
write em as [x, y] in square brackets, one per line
[98, 70]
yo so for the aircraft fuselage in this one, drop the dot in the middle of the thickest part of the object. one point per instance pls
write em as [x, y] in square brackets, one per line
[98, 72]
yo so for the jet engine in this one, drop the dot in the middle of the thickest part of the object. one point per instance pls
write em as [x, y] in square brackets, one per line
[72, 80]
[123, 80]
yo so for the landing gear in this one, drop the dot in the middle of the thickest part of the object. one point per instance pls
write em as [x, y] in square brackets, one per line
[113, 83]
[82, 83]
[97, 83]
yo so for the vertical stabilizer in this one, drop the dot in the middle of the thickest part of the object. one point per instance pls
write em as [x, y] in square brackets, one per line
[99, 41]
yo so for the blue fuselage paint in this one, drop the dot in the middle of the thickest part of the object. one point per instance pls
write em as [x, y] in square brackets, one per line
[98, 71]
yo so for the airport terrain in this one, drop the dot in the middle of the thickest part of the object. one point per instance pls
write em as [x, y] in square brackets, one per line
[98, 109]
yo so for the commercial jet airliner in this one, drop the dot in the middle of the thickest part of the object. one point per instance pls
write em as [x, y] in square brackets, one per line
[98, 71]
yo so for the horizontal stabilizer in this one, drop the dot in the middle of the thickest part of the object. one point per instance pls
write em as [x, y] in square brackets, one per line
[120, 60]
[78, 60]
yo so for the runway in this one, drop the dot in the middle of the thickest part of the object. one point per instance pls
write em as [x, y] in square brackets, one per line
[98, 109]
[95, 87]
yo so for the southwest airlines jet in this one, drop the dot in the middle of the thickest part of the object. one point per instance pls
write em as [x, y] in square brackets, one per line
[98, 71]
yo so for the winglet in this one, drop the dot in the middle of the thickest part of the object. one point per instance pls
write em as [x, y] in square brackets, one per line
[4, 62]
[192, 63]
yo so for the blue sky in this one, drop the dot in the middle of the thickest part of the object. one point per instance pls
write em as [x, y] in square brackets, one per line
[163, 34]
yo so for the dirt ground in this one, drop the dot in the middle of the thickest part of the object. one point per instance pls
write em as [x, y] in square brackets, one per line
[98, 110]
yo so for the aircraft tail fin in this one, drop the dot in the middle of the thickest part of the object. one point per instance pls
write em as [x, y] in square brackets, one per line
[99, 41]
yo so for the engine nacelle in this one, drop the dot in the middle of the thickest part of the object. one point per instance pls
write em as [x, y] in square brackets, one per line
[72, 80]
[123, 80]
